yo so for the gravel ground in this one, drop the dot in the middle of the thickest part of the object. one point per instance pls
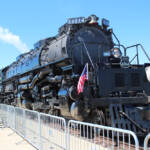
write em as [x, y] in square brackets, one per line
[9, 140]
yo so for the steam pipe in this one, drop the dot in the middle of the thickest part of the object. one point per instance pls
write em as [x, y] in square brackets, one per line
[38, 77]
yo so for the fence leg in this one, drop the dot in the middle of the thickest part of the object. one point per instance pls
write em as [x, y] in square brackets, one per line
[7, 123]
[146, 141]
[15, 119]
[39, 126]
[24, 120]
[68, 137]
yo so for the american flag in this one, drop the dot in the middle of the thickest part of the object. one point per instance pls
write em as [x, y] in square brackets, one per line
[83, 77]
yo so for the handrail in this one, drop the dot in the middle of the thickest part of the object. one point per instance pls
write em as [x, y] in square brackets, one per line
[137, 52]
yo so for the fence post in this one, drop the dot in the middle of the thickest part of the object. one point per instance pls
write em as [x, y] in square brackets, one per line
[39, 126]
[7, 115]
[68, 136]
[15, 118]
[146, 141]
[24, 116]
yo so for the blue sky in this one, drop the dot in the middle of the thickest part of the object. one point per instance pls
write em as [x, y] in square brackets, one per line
[31, 20]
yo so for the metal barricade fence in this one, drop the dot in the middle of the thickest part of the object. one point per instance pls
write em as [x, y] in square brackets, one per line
[32, 127]
[20, 121]
[3, 114]
[41, 130]
[147, 142]
[53, 132]
[88, 136]
[11, 117]
[49, 132]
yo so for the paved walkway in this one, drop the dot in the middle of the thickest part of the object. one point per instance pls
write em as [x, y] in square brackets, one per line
[9, 140]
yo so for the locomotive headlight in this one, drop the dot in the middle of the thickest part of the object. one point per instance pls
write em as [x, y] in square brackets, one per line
[116, 52]
[105, 22]
[107, 53]
[147, 70]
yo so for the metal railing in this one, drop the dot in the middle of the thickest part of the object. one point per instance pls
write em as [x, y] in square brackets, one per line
[53, 132]
[19, 121]
[45, 132]
[32, 127]
[41, 130]
[88, 136]
[11, 117]
[3, 115]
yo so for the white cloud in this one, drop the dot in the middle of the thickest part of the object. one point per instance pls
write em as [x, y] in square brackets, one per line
[10, 38]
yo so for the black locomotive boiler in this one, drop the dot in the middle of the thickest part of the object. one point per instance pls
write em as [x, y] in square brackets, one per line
[45, 79]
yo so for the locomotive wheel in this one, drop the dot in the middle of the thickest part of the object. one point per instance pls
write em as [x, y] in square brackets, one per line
[26, 105]
[54, 112]
[97, 117]
[100, 117]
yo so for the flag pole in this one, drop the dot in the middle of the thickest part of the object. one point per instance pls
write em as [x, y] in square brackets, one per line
[87, 52]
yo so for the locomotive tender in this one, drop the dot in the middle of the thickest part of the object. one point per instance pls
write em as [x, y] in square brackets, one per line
[45, 79]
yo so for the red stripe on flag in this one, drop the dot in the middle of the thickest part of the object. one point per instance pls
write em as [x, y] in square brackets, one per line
[83, 77]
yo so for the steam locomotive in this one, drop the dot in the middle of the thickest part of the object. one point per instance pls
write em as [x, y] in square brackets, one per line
[46, 78]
